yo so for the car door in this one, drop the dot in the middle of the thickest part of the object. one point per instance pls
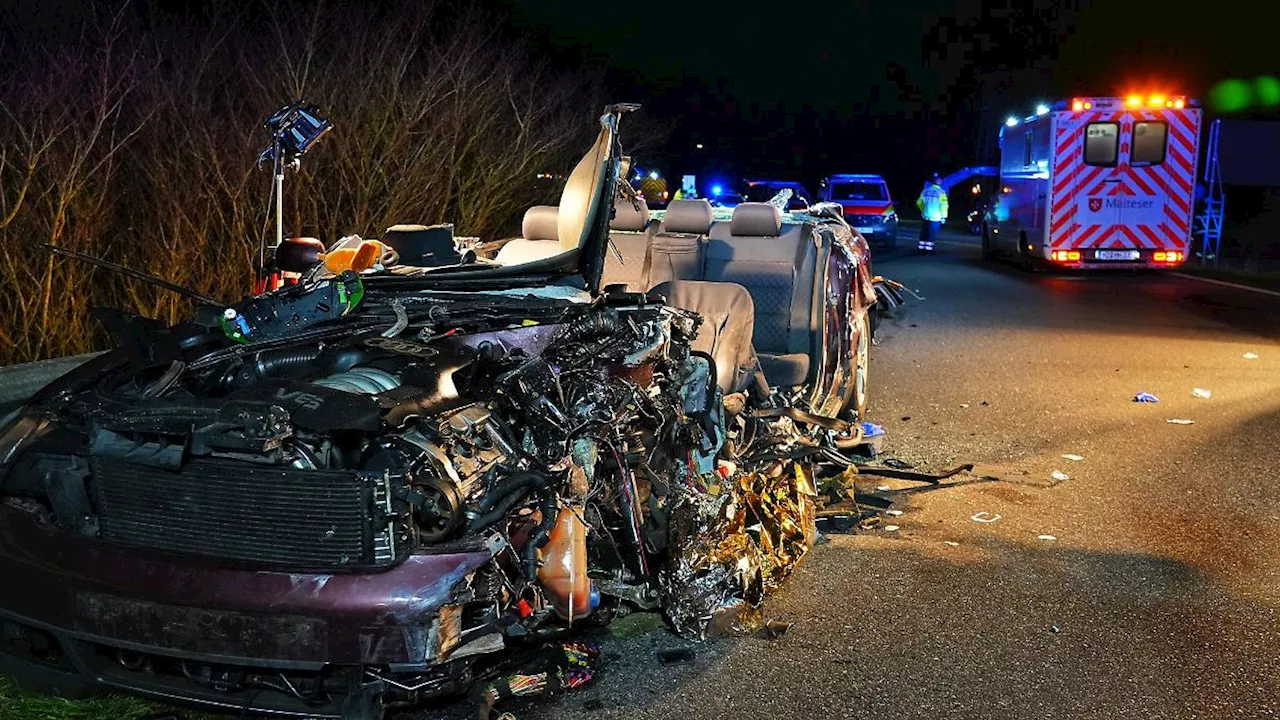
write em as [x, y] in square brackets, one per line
[1099, 183]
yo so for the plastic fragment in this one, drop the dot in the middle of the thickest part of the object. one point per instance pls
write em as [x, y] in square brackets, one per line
[952, 543]
[1073, 457]
[1046, 537]
[1145, 397]
[882, 488]
[1060, 476]
[894, 513]
[1250, 356]
[870, 429]
[1201, 393]
[1180, 421]
[679, 655]
[985, 517]
[891, 528]
[964, 405]
[1055, 629]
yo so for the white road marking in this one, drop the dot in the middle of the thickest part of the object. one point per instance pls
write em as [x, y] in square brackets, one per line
[1224, 283]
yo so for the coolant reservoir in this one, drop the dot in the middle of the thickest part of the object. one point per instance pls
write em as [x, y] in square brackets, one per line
[564, 565]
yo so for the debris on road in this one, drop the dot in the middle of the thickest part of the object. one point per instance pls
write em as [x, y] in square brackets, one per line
[673, 657]
[897, 464]
[1250, 356]
[870, 430]
[1047, 538]
[891, 528]
[1145, 397]
[1060, 476]
[964, 405]
[1055, 629]
[1073, 457]
[985, 517]
[1201, 393]
[883, 488]
[1180, 421]
[556, 668]
[952, 543]
[775, 629]
[894, 513]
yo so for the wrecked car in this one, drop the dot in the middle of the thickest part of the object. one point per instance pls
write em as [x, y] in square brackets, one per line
[358, 491]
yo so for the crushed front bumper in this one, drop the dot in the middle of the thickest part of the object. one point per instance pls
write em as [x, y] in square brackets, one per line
[75, 611]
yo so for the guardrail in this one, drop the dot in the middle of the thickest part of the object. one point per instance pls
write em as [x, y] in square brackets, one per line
[19, 382]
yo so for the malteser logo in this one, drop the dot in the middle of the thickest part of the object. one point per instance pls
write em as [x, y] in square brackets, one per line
[1095, 204]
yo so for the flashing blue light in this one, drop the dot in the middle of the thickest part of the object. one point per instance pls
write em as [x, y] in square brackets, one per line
[1011, 122]
[653, 174]
[1042, 110]
[716, 190]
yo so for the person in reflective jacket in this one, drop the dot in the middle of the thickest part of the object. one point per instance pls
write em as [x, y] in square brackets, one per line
[933, 212]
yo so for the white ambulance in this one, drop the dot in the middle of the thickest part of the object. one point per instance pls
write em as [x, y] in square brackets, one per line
[1097, 182]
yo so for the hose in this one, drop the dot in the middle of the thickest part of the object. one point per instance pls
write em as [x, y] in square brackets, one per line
[591, 326]
[505, 495]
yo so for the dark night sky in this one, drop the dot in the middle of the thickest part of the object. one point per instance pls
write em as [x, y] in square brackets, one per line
[900, 87]
[806, 93]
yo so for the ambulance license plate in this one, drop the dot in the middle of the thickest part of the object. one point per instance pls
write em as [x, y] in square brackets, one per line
[1116, 255]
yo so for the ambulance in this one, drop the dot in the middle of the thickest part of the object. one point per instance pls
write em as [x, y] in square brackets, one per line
[1097, 183]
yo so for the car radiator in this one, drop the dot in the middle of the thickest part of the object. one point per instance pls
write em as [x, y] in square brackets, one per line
[284, 518]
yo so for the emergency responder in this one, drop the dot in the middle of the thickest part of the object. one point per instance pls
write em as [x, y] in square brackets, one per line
[933, 212]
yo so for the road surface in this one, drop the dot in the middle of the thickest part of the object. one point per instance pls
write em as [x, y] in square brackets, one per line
[1157, 599]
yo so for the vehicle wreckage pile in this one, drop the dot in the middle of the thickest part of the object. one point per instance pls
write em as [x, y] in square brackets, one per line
[420, 473]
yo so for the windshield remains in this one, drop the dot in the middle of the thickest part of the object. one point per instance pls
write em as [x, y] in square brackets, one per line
[861, 190]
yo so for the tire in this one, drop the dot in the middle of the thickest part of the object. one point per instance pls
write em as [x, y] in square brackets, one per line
[988, 252]
[862, 368]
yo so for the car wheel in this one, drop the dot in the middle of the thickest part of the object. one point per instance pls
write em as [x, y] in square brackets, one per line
[988, 252]
[862, 366]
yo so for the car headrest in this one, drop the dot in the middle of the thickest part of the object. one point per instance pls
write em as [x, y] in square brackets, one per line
[540, 223]
[755, 219]
[688, 216]
[627, 217]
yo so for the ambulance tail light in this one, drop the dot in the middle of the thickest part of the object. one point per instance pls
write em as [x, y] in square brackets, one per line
[1065, 256]
[1170, 257]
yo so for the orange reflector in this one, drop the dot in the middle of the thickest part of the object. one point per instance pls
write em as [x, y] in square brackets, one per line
[1158, 257]
[1088, 106]
[1065, 256]
[1172, 256]
[1073, 256]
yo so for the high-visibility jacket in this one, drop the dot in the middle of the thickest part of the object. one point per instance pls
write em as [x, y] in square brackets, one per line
[933, 203]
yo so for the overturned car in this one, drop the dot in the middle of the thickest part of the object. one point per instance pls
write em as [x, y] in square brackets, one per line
[359, 490]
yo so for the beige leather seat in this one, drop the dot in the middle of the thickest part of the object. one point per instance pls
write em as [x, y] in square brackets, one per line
[537, 239]
[574, 217]
[630, 232]
[775, 263]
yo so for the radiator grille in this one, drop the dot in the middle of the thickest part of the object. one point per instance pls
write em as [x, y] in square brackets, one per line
[304, 520]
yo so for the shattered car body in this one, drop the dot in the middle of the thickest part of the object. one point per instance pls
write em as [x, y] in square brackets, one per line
[357, 491]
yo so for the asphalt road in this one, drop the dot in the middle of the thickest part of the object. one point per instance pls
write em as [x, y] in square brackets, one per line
[1157, 599]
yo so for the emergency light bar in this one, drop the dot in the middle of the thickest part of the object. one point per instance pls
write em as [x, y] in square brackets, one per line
[1176, 102]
